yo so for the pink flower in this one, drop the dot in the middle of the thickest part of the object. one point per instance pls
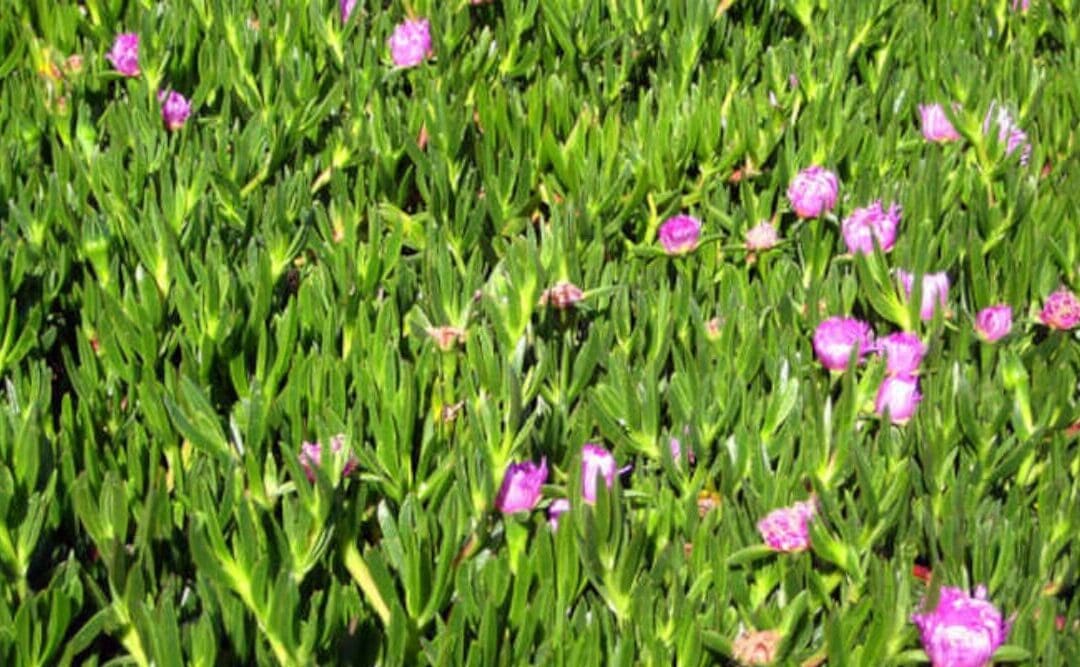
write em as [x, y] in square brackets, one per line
[813, 191]
[935, 291]
[836, 337]
[520, 488]
[680, 234]
[761, 236]
[562, 295]
[1022, 5]
[595, 460]
[935, 124]
[898, 395]
[869, 223]
[411, 42]
[903, 353]
[175, 109]
[961, 631]
[994, 322]
[346, 7]
[557, 508]
[124, 54]
[311, 456]
[1009, 133]
[787, 529]
[1061, 310]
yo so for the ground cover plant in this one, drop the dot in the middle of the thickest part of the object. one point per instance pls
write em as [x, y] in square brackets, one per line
[570, 332]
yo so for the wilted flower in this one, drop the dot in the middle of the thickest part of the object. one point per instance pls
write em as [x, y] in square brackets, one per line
[755, 647]
[446, 336]
[961, 631]
[124, 54]
[707, 501]
[903, 353]
[935, 291]
[994, 322]
[557, 508]
[311, 456]
[346, 7]
[898, 395]
[869, 223]
[836, 337]
[1009, 133]
[175, 109]
[935, 124]
[761, 236]
[786, 528]
[411, 42]
[562, 295]
[680, 234]
[595, 460]
[1061, 310]
[813, 191]
[520, 488]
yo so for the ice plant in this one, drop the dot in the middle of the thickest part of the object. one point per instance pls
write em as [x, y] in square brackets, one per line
[124, 54]
[680, 234]
[175, 109]
[557, 508]
[836, 337]
[520, 488]
[410, 43]
[311, 456]
[935, 291]
[787, 528]
[757, 647]
[562, 295]
[864, 225]
[994, 322]
[898, 396]
[346, 7]
[761, 236]
[813, 191]
[903, 352]
[1009, 133]
[595, 460]
[1061, 310]
[962, 630]
[935, 124]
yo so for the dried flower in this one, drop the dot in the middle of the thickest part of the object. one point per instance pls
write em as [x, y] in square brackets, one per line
[1009, 133]
[124, 54]
[175, 109]
[755, 647]
[562, 295]
[707, 501]
[864, 225]
[1061, 310]
[787, 528]
[813, 191]
[520, 488]
[311, 456]
[446, 336]
[557, 508]
[935, 124]
[903, 353]
[761, 236]
[994, 322]
[935, 291]
[961, 631]
[411, 42]
[836, 337]
[680, 234]
[898, 396]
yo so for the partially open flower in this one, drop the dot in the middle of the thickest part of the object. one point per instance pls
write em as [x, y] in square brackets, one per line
[595, 460]
[521, 485]
[346, 7]
[898, 396]
[562, 295]
[787, 528]
[994, 323]
[935, 291]
[124, 54]
[903, 352]
[813, 191]
[961, 631]
[935, 124]
[557, 508]
[869, 224]
[175, 109]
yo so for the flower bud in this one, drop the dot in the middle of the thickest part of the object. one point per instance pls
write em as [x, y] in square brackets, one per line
[813, 191]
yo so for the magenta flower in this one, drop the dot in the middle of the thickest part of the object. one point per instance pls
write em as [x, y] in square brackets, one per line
[813, 191]
[761, 236]
[1022, 5]
[898, 395]
[175, 109]
[836, 337]
[311, 456]
[935, 291]
[557, 508]
[1061, 310]
[562, 295]
[346, 7]
[411, 42]
[1009, 133]
[961, 631]
[935, 124]
[595, 460]
[680, 234]
[124, 54]
[869, 223]
[520, 488]
[994, 322]
[787, 528]
[903, 353]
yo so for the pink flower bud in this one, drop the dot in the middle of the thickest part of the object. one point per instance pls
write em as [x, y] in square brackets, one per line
[680, 234]
[1061, 310]
[562, 295]
[935, 291]
[903, 353]
[898, 395]
[175, 109]
[1009, 133]
[520, 488]
[346, 7]
[813, 191]
[994, 322]
[124, 54]
[872, 222]
[595, 460]
[761, 236]
[787, 528]
[961, 631]
[936, 125]
[1022, 5]
[836, 337]
[311, 456]
[557, 508]
[411, 42]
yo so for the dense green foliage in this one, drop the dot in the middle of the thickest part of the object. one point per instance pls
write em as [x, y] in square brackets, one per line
[179, 311]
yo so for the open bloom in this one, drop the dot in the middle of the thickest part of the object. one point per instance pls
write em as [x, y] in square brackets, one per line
[175, 109]
[562, 295]
[557, 508]
[898, 396]
[124, 54]
[410, 43]
[1009, 133]
[864, 225]
[935, 291]
[680, 234]
[346, 7]
[311, 456]
[787, 528]
[1061, 310]
[520, 488]
[813, 191]
[994, 322]
[903, 353]
[935, 124]
[836, 337]
[961, 631]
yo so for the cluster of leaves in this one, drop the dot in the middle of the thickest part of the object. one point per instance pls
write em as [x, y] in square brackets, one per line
[179, 311]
